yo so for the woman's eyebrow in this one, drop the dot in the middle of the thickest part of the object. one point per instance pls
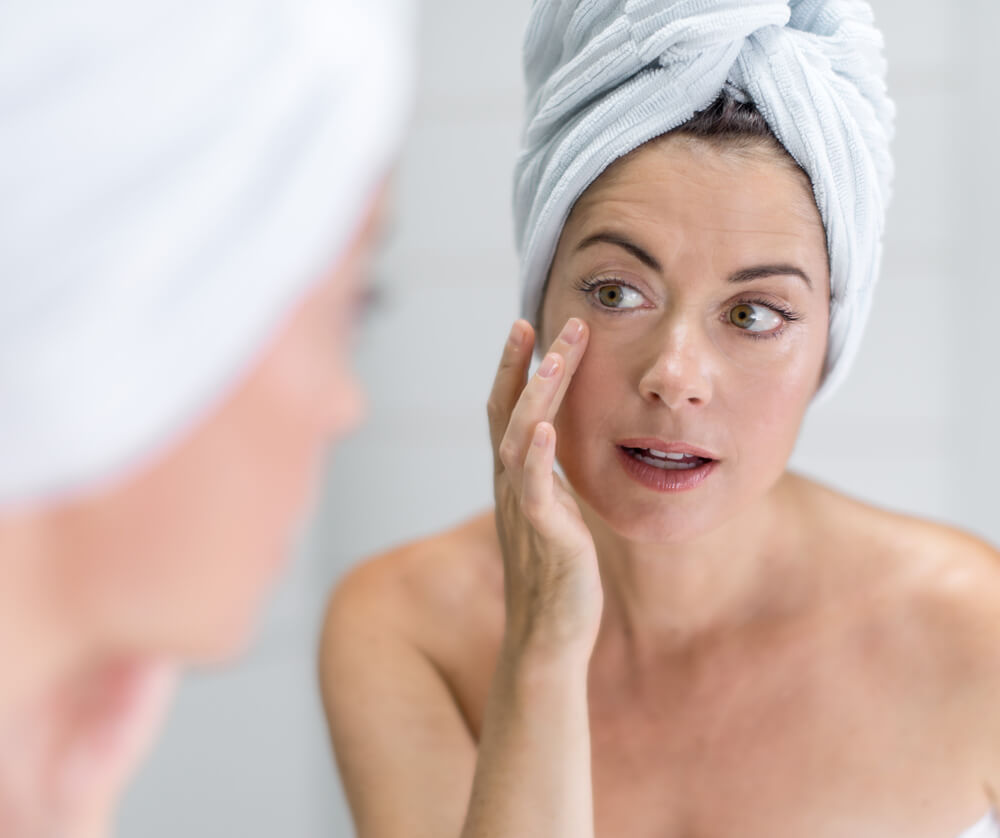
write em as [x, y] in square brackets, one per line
[622, 242]
[746, 275]
[764, 271]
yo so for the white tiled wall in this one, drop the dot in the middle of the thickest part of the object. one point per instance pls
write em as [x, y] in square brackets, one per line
[914, 428]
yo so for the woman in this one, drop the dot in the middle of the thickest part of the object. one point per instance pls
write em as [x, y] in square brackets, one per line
[184, 231]
[679, 637]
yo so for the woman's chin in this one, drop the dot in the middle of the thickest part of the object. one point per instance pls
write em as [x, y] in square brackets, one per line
[656, 529]
[665, 521]
[216, 635]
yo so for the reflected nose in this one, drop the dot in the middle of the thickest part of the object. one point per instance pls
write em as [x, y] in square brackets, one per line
[678, 371]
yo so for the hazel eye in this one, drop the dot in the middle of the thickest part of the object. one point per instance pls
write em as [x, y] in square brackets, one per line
[618, 296]
[754, 318]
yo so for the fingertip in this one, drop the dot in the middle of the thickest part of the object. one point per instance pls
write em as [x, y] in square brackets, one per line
[520, 334]
[543, 434]
[574, 330]
[514, 336]
[550, 365]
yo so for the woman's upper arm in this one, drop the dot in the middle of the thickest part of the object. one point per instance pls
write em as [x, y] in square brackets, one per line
[405, 755]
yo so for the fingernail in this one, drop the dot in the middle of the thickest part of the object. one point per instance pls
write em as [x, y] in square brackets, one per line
[516, 336]
[572, 331]
[541, 436]
[549, 366]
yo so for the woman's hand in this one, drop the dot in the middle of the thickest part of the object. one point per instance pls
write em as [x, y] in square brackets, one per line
[552, 585]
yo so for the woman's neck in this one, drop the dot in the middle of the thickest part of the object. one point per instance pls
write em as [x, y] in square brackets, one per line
[663, 596]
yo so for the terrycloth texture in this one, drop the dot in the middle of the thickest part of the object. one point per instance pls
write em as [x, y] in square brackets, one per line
[605, 76]
[174, 175]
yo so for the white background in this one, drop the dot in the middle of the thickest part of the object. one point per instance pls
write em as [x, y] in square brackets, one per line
[245, 751]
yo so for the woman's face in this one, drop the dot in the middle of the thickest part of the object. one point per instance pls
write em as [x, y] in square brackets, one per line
[702, 273]
[176, 559]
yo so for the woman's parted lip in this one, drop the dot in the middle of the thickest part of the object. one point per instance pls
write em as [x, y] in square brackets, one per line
[655, 444]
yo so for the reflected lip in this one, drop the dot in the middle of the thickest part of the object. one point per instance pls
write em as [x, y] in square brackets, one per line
[662, 479]
[648, 442]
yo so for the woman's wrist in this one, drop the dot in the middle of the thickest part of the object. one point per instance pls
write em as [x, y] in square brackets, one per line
[533, 766]
[549, 638]
[533, 665]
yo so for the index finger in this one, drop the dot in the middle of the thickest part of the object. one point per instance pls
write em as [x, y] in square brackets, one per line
[541, 397]
[509, 382]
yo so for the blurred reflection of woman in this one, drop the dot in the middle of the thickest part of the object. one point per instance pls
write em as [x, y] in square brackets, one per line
[188, 198]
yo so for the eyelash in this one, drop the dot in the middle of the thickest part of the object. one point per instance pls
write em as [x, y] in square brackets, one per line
[588, 286]
[788, 315]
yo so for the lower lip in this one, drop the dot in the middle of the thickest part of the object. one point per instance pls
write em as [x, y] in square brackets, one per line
[664, 480]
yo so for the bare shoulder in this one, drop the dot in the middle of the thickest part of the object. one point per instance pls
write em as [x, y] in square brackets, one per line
[952, 560]
[931, 637]
[423, 586]
[439, 598]
[937, 585]
[402, 633]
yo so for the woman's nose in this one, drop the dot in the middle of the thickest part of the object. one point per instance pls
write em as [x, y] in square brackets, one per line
[678, 371]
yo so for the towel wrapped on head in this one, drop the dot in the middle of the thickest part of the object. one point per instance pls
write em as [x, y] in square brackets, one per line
[174, 176]
[605, 76]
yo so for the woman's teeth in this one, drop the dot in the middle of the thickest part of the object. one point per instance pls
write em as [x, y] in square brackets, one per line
[661, 454]
[665, 460]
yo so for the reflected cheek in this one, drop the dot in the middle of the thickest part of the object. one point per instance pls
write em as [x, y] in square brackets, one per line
[767, 358]
[777, 375]
[597, 389]
[764, 420]
[773, 391]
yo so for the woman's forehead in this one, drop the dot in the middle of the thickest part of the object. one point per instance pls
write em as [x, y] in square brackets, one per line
[691, 181]
[728, 209]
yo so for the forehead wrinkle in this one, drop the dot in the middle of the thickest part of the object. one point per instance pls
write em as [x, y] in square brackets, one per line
[691, 162]
[666, 242]
[637, 207]
[752, 210]
[662, 241]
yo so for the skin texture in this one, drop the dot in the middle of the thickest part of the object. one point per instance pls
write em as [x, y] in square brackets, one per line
[759, 656]
[167, 565]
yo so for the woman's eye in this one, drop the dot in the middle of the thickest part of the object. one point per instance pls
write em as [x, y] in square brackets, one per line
[752, 317]
[619, 296]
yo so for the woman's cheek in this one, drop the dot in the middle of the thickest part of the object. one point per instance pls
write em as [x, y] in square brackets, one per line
[599, 382]
[764, 358]
[769, 419]
[774, 377]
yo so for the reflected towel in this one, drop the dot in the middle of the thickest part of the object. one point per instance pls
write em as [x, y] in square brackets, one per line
[173, 177]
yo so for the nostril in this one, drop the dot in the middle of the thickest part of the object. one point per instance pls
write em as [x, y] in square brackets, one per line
[675, 385]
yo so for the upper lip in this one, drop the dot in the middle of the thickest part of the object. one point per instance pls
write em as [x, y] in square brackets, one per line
[668, 447]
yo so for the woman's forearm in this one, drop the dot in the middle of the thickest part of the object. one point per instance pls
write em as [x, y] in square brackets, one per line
[533, 776]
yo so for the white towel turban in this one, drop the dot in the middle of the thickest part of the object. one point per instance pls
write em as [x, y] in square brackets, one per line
[605, 76]
[174, 175]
